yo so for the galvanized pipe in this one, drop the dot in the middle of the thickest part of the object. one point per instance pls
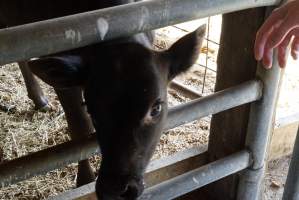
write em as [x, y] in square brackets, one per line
[260, 127]
[46, 160]
[262, 114]
[223, 100]
[291, 189]
[70, 152]
[56, 35]
[197, 178]
[179, 185]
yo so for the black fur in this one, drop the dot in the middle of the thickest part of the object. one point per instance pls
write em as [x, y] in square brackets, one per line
[123, 81]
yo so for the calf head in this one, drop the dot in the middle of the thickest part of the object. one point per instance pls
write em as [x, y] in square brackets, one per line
[125, 90]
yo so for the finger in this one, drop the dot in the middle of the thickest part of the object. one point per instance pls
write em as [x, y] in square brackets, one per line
[262, 37]
[295, 48]
[273, 21]
[278, 35]
[268, 52]
[267, 59]
[282, 49]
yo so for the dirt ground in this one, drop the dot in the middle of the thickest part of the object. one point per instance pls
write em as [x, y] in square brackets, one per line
[275, 178]
[24, 130]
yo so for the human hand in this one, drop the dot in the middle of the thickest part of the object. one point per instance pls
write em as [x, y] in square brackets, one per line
[277, 32]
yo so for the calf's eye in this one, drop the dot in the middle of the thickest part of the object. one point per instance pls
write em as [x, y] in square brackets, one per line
[156, 109]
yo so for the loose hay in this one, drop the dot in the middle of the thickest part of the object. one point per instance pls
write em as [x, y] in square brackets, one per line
[24, 130]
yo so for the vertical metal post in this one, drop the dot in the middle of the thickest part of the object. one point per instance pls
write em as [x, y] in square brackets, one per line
[260, 126]
[291, 191]
[258, 133]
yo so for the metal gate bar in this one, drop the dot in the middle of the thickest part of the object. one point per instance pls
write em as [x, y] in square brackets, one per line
[197, 178]
[55, 35]
[291, 191]
[37, 39]
[219, 101]
[63, 154]
[182, 184]
[261, 124]
[46, 160]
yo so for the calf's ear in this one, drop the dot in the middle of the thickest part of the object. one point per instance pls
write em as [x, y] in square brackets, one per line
[183, 53]
[59, 72]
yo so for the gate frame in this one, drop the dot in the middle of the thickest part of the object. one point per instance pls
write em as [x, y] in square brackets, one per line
[252, 156]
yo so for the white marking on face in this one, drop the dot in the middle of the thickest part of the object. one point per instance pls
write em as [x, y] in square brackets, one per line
[103, 27]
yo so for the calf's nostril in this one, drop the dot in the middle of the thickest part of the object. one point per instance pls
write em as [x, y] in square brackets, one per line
[131, 192]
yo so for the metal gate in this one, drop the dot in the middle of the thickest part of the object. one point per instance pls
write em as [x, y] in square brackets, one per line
[36, 39]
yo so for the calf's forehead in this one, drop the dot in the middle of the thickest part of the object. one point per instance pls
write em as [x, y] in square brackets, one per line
[133, 87]
[131, 79]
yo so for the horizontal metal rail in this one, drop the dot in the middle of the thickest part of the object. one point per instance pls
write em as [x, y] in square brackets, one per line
[56, 35]
[156, 167]
[223, 100]
[70, 152]
[46, 160]
[179, 185]
[197, 178]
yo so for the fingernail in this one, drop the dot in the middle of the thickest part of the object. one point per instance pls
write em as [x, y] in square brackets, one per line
[258, 56]
[266, 65]
[295, 55]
